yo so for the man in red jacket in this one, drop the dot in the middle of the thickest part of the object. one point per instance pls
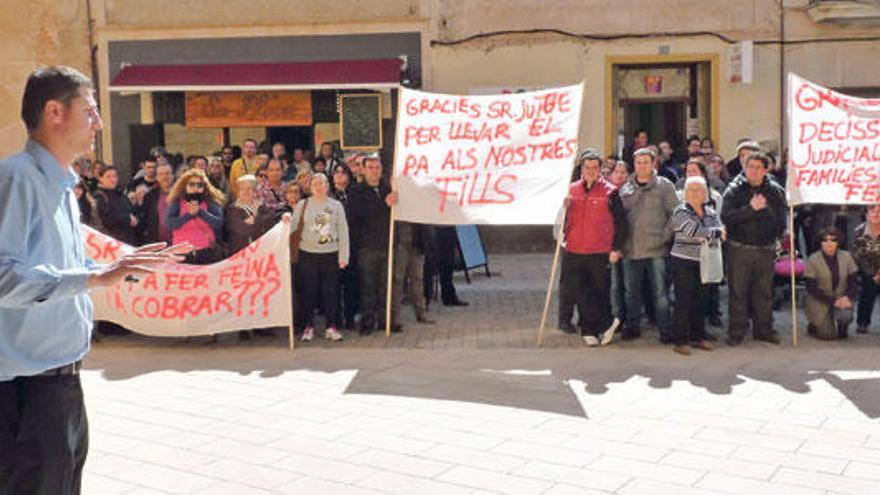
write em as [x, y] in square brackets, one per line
[595, 228]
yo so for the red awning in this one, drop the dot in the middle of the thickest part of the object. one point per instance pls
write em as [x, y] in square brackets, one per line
[343, 74]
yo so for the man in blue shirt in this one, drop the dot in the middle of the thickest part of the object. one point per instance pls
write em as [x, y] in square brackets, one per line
[45, 310]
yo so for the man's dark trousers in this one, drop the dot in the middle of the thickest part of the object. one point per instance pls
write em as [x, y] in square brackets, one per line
[750, 280]
[373, 281]
[590, 276]
[44, 435]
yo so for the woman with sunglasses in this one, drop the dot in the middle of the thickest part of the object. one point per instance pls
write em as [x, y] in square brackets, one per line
[832, 286]
[195, 215]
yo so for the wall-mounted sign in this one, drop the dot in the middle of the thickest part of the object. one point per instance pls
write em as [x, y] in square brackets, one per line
[653, 85]
[248, 108]
[742, 62]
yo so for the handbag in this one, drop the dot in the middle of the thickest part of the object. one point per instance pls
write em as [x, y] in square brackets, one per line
[296, 236]
[711, 262]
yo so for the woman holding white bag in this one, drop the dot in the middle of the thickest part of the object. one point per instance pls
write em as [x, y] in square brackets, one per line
[693, 223]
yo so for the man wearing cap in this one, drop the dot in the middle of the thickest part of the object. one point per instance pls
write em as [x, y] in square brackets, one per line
[744, 148]
[595, 228]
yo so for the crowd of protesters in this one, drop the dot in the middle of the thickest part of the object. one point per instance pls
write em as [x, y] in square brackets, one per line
[340, 216]
[641, 230]
[637, 233]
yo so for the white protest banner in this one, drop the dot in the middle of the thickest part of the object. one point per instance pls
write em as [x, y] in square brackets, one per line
[498, 159]
[250, 289]
[834, 146]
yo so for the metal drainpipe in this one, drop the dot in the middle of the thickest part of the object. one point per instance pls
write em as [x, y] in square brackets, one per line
[782, 78]
[93, 57]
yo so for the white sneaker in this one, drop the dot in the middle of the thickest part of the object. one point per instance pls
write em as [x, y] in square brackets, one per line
[591, 341]
[608, 336]
[308, 334]
[332, 334]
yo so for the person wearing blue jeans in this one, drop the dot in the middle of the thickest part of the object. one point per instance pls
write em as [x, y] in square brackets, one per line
[635, 272]
[649, 201]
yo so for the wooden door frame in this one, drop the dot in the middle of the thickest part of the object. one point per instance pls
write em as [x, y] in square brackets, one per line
[623, 60]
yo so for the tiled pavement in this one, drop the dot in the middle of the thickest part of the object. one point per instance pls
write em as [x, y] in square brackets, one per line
[471, 405]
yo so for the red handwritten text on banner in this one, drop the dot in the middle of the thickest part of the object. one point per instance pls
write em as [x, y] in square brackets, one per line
[834, 143]
[250, 289]
[500, 159]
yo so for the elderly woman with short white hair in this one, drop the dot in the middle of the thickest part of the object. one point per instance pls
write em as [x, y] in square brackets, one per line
[692, 223]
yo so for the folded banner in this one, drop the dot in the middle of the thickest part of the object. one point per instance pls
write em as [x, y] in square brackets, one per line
[250, 289]
[500, 159]
[834, 142]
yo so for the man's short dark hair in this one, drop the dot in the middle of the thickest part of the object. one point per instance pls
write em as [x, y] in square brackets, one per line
[644, 151]
[59, 83]
[636, 134]
[693, 138]
[761, 157]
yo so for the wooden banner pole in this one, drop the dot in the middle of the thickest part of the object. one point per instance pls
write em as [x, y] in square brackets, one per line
[291, 337]
[552, 279]
[390, 280]
[791, 256]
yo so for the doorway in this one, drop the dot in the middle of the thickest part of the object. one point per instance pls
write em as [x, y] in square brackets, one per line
[670, 96]
[292, 137]
[664, 120]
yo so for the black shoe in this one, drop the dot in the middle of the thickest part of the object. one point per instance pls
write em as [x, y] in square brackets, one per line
[715, 321]
[862, 329]
[567, 328]
[770, 338]
[709, 337]
[457, 302]
[364, 331]
[733, 341]
[811, 330]
[630, 334]
[396, 328]
[842, 331]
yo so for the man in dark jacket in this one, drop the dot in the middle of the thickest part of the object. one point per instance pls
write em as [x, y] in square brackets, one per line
[595, 230]
[370, 209]
[754, 215]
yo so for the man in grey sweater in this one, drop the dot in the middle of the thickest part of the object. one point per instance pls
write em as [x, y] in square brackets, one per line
[649, 201]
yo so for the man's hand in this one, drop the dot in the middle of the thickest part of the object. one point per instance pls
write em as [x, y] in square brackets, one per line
[758, 202]
[193, 208]
[391, 199]
[142, 261]
[342, 264]
[133, 220]
[843, 303]
[249, 220]
[286, 218]
[614, 257]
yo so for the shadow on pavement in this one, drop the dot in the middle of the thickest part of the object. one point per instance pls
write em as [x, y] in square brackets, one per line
[554, 380]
